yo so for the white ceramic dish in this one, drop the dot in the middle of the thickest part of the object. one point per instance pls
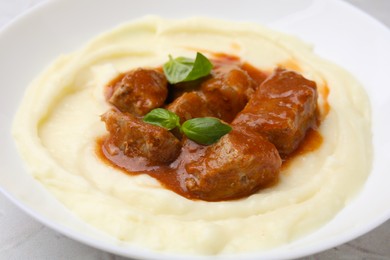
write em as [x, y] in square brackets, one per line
[338, 31]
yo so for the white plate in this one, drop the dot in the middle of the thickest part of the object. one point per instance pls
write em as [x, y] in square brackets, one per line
[338, 31]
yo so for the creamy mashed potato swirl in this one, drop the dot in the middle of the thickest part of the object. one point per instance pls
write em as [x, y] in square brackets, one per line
[58, 123]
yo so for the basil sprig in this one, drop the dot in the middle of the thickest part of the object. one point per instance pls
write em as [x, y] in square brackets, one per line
[184, 69]
[203, 130]
[162, 117]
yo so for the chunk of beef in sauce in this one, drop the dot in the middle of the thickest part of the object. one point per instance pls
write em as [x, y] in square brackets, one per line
[190, 105]
[178, 89]
[227, 91]
[282, 109]
[139, 91]
[221, 95]
[138, 139]
[239, 164]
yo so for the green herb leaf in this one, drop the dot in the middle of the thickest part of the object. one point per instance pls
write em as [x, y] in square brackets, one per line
[162, 117]
[184, 69]
[205, 130]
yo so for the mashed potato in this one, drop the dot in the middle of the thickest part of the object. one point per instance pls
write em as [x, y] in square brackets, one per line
[58, 123]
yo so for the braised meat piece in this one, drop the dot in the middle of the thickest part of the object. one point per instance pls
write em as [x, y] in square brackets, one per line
[178, 89]
[221, 95]
[227, 91]
[282, 109]
[190, 105]
[138, 139]
[239, 164]
[258, 76]
[139, 91]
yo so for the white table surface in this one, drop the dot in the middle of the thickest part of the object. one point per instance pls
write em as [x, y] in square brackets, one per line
[21, 237]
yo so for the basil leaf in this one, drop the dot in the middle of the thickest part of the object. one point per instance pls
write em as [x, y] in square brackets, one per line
[205, 130]
[162, 117]
[184, 69]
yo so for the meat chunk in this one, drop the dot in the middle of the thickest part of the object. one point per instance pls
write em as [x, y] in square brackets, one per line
[258, 76]
[221, 95]
[178, 89]
[138, 139]
[190, 105]
[282, 109]
[227, 91]
[139, 91]
[239, 164]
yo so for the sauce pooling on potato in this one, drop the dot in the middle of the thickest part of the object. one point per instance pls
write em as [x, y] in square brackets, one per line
[273, 117]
